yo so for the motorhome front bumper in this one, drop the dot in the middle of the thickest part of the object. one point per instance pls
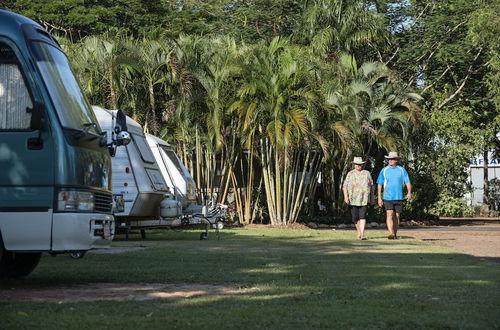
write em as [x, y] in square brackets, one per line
[81, 231]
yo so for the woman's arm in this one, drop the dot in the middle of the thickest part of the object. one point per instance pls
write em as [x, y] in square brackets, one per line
[346, 183]
[346, 195]
[371, 188]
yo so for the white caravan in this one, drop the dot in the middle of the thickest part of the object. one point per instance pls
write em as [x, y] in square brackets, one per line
[151, 186]
[181, 183]
[176, 175]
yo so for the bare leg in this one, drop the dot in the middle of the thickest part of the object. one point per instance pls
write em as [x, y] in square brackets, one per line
[357, 229]
[390, 221]
[361, 223]
[397, 220]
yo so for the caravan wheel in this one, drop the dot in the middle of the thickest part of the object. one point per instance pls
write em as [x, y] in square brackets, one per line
[77, 254]
[218, 225]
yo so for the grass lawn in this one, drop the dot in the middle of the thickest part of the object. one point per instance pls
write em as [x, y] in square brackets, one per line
[292, 279]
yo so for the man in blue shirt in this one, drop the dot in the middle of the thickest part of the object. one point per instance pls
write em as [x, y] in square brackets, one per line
[391, 179]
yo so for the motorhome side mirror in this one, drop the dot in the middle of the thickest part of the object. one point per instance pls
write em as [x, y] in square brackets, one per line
[37, 115]
[121, 122]
[123, 138]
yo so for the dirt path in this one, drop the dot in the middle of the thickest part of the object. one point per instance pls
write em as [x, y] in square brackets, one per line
[114, 291]
[480, 240]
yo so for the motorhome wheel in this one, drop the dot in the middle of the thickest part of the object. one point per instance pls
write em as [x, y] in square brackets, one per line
[14, 265]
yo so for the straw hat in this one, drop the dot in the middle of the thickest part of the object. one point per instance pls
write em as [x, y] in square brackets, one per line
[392, 155]
[358, 160]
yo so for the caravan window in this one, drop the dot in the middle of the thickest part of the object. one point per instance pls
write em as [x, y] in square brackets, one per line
[173, 158]
[156, 179]
[144, 150]
[15, 99]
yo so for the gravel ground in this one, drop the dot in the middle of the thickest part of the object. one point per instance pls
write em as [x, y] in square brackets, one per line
[480, 240]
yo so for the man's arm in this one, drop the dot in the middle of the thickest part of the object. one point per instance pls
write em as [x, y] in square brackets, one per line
[380, 201]
[408, 191]
[406, 180]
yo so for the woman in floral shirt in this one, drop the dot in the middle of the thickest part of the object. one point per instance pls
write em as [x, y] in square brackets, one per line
[358, 192]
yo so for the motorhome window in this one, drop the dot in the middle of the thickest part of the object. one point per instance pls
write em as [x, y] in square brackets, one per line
[173, 158]
[14, 96]
[143, 147]
[71, 105]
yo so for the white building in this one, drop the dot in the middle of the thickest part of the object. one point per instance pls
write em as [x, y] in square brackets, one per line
[476, 177]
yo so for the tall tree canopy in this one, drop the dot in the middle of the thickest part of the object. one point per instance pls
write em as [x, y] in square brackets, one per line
[333, 78]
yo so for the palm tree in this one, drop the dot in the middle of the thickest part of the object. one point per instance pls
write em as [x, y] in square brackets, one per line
[105, 67]
[273, 119]
[334, 26]
[154, 73]
[365, 111]
[208, 67]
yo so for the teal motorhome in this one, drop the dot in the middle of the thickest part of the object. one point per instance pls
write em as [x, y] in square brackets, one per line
[55, 166]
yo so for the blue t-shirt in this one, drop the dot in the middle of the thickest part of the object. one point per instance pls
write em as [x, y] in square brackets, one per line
[393, 179]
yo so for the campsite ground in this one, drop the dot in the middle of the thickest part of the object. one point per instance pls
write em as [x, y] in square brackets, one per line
[480, 239]
[267, 278]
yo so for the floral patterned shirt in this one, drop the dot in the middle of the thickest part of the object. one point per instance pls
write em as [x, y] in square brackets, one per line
[359, 187]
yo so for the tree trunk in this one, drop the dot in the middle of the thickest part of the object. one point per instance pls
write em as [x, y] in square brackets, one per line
[485, 208]
[112, 92]
[151, 119]
[198, 164]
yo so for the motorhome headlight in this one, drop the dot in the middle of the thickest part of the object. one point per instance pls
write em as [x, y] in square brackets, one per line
[75, 201]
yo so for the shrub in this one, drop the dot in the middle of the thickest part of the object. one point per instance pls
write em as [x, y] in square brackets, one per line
[448, 206]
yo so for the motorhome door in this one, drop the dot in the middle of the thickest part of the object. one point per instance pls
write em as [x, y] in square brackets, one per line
[26, 156]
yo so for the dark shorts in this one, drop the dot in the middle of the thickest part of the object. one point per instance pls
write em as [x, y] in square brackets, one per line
[394, 205]
[358, 212]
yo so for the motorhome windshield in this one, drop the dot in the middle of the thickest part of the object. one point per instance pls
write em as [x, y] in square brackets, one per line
[71, 105]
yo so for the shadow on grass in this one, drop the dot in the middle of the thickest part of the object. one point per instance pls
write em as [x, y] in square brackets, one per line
[298, 279]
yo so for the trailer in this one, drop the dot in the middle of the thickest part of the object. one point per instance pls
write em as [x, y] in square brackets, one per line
[182, 184]
[151, 187]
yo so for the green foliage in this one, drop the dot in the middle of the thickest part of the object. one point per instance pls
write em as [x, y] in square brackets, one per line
[448, 206]
[484, 28]
[447, 50]
[75, 19]
[424, 196]
[250, 21]
[344, 77]
[335, 26]
[445, 151]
